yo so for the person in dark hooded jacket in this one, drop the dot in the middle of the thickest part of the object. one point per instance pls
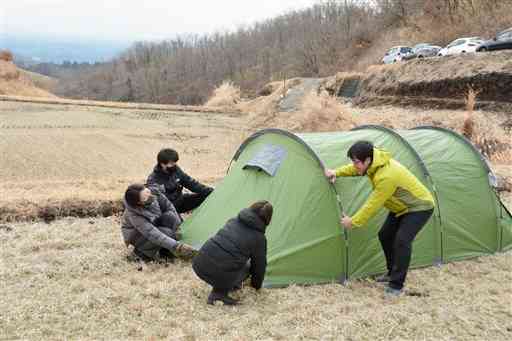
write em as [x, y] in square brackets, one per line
[150, 224]
[168, 174]
[237, 251]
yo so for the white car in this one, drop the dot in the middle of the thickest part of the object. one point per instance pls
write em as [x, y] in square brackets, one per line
[462, 45]
[396, 54]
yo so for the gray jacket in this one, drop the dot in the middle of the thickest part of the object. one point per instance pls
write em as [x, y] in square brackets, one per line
[138, 222]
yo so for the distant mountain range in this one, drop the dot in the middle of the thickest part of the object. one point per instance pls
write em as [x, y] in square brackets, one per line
[33, 50]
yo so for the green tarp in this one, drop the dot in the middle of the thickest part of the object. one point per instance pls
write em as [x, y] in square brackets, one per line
[306, 243]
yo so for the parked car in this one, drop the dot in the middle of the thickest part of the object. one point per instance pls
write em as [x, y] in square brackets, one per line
[396, 54]
[502, 41]
[461, 45]
[424, 51]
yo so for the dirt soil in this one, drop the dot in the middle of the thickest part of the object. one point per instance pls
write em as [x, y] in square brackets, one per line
[490, 74]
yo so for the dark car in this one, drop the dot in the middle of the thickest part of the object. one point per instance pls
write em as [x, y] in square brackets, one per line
[502, 41]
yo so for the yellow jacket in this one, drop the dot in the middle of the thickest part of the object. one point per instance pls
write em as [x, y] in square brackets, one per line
[394, 187]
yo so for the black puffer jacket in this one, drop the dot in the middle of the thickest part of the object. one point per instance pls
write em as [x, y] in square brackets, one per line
[174, 183]
[223, 256]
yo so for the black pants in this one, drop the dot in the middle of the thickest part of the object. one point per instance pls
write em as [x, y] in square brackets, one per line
[189, 201]
[220, 279]
[396, 237]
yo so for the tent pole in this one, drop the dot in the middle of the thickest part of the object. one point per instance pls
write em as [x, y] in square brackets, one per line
[344, 278]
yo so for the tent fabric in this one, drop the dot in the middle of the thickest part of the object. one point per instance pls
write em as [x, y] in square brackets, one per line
[306, 243]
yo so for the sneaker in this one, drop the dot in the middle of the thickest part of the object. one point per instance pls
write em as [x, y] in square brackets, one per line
[392, 292]
[383, 278]
[222, 297]
[184, 251]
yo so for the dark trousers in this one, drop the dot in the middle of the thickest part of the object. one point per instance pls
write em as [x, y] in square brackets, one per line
[242, 275]
[189, 201]
[221, 280]
[396, 237]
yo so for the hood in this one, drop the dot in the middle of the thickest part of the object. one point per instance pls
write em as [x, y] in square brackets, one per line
[251, 220]
[380, 158]
[131, 209]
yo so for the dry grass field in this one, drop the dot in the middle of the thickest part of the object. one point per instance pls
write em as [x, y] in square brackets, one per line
[57, 152]
[70, 279]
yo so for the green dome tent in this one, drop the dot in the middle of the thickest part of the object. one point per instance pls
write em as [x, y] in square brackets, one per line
[306, 243]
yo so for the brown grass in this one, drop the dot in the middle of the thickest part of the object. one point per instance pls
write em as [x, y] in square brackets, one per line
[227, 94]
[489, 136]
[60, 154]
[6, 56]
[468, 128]
[14, 82]
[320, 112]
[116, 105]
[471, 97]
[71, 280]
[40, 81]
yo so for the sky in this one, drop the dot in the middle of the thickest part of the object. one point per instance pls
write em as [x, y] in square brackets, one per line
[130, 20]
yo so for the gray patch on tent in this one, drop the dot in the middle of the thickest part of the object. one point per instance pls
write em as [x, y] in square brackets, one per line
[267, 159]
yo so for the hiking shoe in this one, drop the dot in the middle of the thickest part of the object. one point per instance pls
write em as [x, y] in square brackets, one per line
[392, 292]
[184, 251]
[382, 278]
[222, 297]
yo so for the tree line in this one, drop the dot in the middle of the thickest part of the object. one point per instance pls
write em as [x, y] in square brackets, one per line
[314, 42]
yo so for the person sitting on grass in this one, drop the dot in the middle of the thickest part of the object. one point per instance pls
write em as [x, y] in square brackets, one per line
[174, 179]
[150, 224]
[237, 251]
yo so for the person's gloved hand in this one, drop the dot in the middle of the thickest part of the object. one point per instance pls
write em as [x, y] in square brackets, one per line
[185, 251]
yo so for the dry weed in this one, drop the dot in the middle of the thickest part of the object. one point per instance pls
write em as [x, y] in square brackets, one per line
[321, 112]
[14, 82]
[487, 134]
[471, 98]
[226, 95]
[6, 55]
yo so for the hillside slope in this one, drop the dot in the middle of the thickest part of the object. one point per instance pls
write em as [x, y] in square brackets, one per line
[16, 82]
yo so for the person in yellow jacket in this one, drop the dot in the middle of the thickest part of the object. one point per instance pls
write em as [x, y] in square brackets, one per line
[394, 187]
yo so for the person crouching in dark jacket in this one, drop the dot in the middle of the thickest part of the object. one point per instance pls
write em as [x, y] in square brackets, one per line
[150, 223]
[237, 251]
[173, 179]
